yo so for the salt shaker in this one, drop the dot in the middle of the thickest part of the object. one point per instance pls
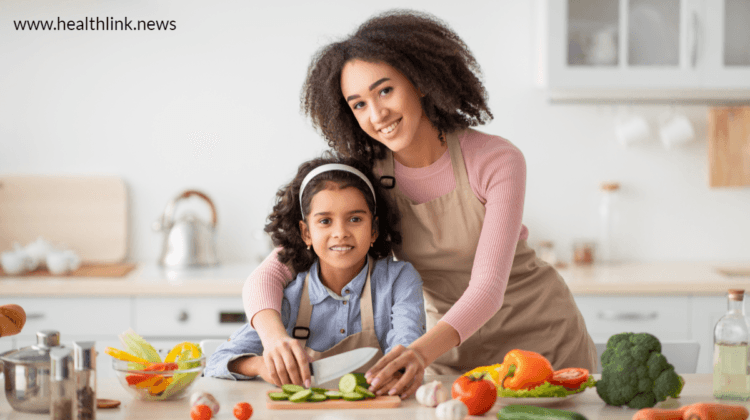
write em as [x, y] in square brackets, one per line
[84, 356]
[62, 385]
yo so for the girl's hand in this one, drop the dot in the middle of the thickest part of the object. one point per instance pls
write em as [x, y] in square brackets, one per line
[286, 362]
[383, 376]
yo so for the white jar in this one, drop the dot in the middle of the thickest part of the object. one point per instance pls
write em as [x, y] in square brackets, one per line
[609, 224]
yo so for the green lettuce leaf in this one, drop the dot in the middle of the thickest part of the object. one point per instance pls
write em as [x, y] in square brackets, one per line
[545, 390]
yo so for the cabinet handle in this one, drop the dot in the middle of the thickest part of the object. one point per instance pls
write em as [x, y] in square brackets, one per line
[183, 316]
[696, 34]
[33, 316]
[627, 316]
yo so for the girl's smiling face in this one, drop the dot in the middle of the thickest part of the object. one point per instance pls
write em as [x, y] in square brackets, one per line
[340, 230]
[386, 105]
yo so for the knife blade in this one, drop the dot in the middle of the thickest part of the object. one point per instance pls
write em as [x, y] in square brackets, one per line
[324, 370]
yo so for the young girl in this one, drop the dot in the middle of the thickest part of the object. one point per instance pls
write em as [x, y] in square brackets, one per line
[336, 230]
[402, 93]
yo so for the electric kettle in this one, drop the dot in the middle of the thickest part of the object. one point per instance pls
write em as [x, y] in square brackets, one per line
[189, 241]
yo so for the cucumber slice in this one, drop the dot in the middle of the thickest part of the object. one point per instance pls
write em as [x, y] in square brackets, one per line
[319, 390]
[300, 396]
[333, 395]
[292, 389]
[316, 397]
[347, 383]
[364, 391]
[278, 396]
[353, 396]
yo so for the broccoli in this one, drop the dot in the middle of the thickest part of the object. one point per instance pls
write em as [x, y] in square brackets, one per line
[635, 373]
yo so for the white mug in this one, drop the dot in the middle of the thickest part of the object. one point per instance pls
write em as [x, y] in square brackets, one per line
[632, 129]
[676, 130]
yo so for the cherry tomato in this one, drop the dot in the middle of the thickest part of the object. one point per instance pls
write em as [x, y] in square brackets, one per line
[571, 378]
[477, 393]
[243, 411]
[200, 412]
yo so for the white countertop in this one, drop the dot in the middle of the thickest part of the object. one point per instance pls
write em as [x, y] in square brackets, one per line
[698, 388]
[659, 278]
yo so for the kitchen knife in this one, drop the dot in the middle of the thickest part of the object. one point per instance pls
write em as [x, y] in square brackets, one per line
[324, 370]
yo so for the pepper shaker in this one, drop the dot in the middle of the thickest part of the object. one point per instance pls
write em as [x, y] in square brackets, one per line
[62, 385]
[84, 356]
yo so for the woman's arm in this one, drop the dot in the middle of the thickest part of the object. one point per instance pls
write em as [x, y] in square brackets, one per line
[285, 360]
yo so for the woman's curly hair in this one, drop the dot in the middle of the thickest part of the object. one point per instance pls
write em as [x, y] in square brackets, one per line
[283, 222]
[425, 50]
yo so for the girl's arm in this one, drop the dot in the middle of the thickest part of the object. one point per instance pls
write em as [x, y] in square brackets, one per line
[407, 310]
[285, 360]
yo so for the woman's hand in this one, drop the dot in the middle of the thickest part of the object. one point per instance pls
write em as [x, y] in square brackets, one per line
[286, 362]
[383, 377]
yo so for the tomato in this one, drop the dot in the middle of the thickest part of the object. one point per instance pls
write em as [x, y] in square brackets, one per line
[200, 412]
[571, 378]
[477, 393]
[243, 411]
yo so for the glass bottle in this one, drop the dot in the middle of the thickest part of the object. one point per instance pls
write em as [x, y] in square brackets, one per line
[84, 356]
[62, 385]
[731, 356]
[609, 220]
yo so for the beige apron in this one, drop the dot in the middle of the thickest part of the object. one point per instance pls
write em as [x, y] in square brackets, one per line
[364, 338]
[538, 313]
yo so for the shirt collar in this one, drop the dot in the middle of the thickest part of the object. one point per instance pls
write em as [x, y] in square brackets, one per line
[319, 292]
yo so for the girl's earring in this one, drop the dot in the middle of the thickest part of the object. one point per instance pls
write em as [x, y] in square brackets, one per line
[308, 247]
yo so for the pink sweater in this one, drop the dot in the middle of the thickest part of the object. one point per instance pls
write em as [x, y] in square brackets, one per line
[497, 175]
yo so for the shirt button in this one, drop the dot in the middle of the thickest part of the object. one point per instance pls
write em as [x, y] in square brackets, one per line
[346, 291]
[344, 302]
[342, 331]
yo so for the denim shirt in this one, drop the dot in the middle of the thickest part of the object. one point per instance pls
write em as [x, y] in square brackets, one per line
[397, 306]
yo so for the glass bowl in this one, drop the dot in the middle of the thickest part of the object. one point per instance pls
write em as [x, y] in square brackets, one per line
[158, 385]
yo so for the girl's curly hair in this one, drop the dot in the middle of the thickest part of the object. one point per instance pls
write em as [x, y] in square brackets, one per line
[283, 222]
[425, 50]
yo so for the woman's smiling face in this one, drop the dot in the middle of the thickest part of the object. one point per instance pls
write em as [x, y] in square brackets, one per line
[385, 103]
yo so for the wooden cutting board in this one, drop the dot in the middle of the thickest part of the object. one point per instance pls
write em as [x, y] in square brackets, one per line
[729, 146]
[88, 214]
[85, 270]
[386, 401]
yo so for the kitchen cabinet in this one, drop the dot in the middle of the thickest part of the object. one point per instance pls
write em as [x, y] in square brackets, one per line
[646, 50]
[667, 317]
[184, 318]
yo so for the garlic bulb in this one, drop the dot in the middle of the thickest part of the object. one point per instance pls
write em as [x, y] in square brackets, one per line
[432, 394]
[202, 397]
[451, 410]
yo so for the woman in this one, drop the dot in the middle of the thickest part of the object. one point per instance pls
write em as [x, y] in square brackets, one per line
[402, 93]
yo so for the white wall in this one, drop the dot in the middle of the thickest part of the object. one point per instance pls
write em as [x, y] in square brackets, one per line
[214, 105]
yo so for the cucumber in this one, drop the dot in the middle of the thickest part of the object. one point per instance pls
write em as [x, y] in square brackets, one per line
[531, 412]
[364, 391]
[353, 396]
[278, 396]
[347, 383]
[300, 396]
[292, 389]
[318, 390]
[333, 395]
[317, 397]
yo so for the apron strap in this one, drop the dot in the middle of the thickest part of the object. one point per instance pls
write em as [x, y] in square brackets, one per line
[301, 329]
[457, 160]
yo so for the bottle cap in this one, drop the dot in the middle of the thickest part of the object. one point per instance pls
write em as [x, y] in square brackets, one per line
[611, 186]
[61, 363]
[736, 294]
[84, 355]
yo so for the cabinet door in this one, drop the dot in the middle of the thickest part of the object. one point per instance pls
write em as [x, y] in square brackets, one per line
[190, 318]
[620, 44]
[665, 317]
[725, 44]
[705, 313]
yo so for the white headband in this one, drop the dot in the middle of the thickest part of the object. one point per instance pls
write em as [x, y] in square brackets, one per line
[333, 167]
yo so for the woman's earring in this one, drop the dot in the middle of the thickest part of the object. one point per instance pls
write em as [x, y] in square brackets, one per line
[371, 244]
